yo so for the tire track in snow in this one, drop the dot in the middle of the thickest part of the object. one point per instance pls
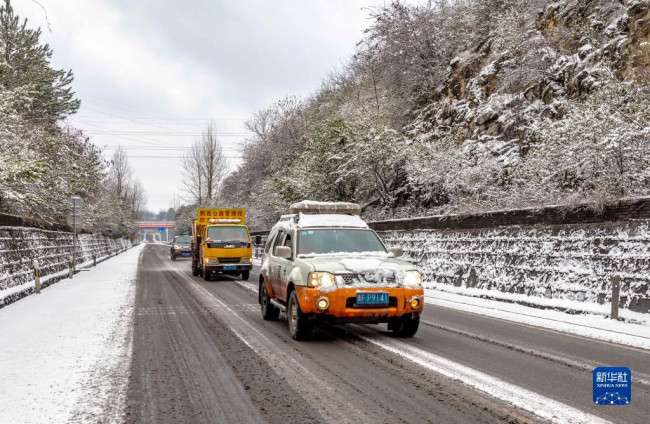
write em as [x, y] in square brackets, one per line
[522, 398]
[644, 380]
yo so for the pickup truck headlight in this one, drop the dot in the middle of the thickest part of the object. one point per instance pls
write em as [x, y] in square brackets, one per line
[212, 262]
[177, 248]
[412, 280]
[246, 260]
[322, 279]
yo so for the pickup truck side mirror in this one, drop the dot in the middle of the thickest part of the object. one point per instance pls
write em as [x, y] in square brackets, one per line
[283, 252]
[258, 240]
[396, 251]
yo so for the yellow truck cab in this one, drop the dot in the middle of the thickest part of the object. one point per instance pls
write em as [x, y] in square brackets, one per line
[221, 243]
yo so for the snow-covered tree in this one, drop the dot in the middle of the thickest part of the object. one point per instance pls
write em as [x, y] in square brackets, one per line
[204, 168]
[464, 105]
[43, 161]
[25, 64]
[599, 150]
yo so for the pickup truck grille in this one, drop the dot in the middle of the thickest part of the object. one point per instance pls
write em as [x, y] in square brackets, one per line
[228, 260]
[349, 279]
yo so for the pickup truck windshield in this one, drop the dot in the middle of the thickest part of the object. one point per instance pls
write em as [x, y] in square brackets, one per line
[183, 239]
[338, 241]
[227, 234]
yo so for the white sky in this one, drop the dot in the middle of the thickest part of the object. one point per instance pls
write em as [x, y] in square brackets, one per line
[150, 74]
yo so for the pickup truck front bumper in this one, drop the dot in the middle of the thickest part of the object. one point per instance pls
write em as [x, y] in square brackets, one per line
[343, 309]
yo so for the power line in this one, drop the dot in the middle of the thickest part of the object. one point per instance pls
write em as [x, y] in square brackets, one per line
[165, 134]
[131, 120]
[174, 157]
[161, 149]
[141, 140]
[83, 120]
[129, 107]
[159, 118]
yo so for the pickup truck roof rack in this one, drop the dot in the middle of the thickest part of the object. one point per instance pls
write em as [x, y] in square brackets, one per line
[313, 207]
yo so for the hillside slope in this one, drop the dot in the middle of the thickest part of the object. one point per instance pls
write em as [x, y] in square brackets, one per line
[468, 106]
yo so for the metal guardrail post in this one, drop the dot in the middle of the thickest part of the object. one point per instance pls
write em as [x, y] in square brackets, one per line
[37, 277]
[94, 259]
[616, 291]
[71, 268]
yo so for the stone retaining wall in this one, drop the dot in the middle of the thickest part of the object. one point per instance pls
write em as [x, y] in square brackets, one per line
[19, 246]
[573, 262]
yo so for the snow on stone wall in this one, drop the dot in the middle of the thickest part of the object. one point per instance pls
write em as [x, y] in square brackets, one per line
[573, 262]
[19, 246]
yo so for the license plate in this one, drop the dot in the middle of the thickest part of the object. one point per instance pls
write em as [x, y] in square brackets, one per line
[186, 254]
[374, 298]
[229, 267]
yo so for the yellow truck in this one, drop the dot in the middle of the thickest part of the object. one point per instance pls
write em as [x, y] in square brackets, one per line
[221, 243]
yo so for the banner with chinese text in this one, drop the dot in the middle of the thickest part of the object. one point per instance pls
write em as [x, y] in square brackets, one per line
[204, 215]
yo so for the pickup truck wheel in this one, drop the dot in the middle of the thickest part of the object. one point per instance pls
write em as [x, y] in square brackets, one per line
[407, 325]
[245, 275]
[269, 311]
[299, 327]
[173, 258]
[206, 275]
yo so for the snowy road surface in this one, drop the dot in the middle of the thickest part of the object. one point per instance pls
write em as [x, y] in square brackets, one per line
[173, 348]
[203, 353]
[65, 354]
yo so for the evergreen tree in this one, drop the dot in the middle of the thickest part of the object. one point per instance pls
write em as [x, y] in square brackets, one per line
[42, 161]
[25, 65]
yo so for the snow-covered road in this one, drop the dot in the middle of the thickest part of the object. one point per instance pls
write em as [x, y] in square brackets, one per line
[593, 325]
[65, 354]
[139, 339]
[200, 344]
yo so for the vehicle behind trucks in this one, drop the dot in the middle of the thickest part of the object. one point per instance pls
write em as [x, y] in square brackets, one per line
[221, 244]
[323, 264]
[181, 247]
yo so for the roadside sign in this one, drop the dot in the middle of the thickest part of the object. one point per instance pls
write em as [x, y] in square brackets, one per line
[76, 202]
[75, 220]
[161, 230]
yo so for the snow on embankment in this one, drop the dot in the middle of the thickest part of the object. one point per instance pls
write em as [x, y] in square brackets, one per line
[554, 265]
[19, 246]
[65, 355]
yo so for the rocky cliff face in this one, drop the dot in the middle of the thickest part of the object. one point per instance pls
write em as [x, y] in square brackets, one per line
[468, 106]
[493, 93]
